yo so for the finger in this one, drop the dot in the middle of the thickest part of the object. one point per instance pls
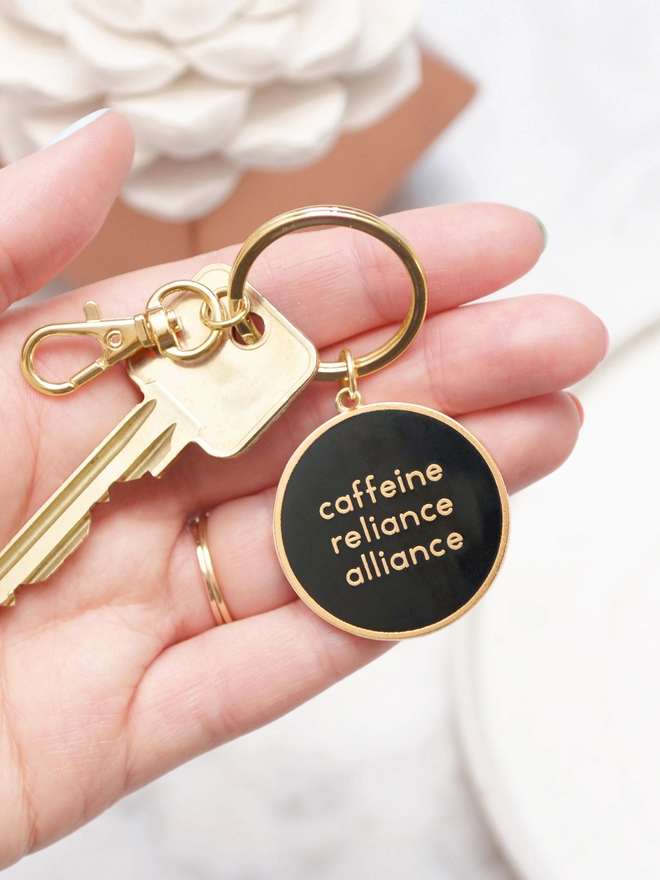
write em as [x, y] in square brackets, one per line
[471, 358]
[490, 354]
[111, 397]
[229, 680]
[527, 439]
[233, 679]
[334, 284]
[54, 202]
[341, 282]
[476, 358]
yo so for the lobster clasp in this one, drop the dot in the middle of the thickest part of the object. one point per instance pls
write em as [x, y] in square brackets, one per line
[119, 340]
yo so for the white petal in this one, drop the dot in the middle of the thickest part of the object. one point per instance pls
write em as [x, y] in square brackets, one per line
[14, 143]
[47, 15]
[289, 125]
[373, 95]
[386, 24]
[121, 63]
[271, 7]
[40, 68]
[23, 133]
[327, 37]
[248, 51]
[180, 21]
[144, 156]
[43, 124]
[123, 15]
[181, 191]
[190, 119]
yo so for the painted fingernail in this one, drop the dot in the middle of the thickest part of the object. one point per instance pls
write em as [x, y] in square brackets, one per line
[80, 123]
[578, 407]
[544, 231]
[606, 333]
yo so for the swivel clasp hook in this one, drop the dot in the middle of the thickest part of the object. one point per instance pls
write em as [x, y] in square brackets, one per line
[157, 327]
[119, 340]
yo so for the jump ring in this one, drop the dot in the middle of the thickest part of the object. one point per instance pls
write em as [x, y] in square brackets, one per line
[231, 321]
[332, 215]
[345, 392]
[350, 382]
[211, 303]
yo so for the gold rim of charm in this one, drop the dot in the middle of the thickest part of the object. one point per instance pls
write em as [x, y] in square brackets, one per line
[302, 590]
[332, 215]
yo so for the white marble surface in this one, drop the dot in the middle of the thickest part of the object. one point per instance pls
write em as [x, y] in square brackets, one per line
[367, 781]
[364, 782]
[558, 666]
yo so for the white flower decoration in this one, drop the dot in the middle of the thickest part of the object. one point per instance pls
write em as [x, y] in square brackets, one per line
[211, 87]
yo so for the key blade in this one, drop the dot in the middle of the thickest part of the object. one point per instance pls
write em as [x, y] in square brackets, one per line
[150, 431]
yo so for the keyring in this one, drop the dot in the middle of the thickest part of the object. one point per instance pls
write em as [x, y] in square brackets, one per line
[330, 215]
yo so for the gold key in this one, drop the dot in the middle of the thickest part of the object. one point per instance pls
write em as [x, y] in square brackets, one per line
[223, 401]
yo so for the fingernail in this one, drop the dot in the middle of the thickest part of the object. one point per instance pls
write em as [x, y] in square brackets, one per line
[80, 123]
[606, 332]
[578, 406]
[544, 231]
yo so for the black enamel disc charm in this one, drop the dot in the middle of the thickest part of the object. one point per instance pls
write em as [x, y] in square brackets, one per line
[391, 520]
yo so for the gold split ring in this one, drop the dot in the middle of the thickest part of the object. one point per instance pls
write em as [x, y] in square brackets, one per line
[198, 527]
[331, 215]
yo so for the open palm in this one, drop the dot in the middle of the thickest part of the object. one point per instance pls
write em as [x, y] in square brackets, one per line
[112, 672]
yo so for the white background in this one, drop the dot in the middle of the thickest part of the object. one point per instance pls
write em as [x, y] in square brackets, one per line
[368, 780]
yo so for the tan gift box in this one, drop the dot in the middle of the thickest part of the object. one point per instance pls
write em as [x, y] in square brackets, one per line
[362, 170]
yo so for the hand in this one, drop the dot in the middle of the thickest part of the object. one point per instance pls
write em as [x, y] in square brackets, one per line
[112, 672]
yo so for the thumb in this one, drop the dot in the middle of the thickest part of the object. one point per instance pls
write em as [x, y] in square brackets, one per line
[53, 202]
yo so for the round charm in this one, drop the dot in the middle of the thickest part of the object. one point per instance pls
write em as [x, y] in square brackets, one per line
[391, 520]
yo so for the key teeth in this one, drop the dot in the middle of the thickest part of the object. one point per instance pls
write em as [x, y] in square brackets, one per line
[64, 549]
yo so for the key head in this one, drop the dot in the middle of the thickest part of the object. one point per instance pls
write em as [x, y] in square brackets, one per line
[234, 393]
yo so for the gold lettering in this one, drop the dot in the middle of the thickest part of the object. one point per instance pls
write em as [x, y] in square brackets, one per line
[444, 506]
[388, 489]
[355, 572]
[434, 472]
[336, 541]
[413, 553]
[403, 561]
[434, 552]
[428, 518]
[348, 508]
[326, 515]
[394, 529]
[455, 541]
[366, 566]
[353, 540]
[415, 474]
[365, 529]
[399, 480]
[402, 517]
